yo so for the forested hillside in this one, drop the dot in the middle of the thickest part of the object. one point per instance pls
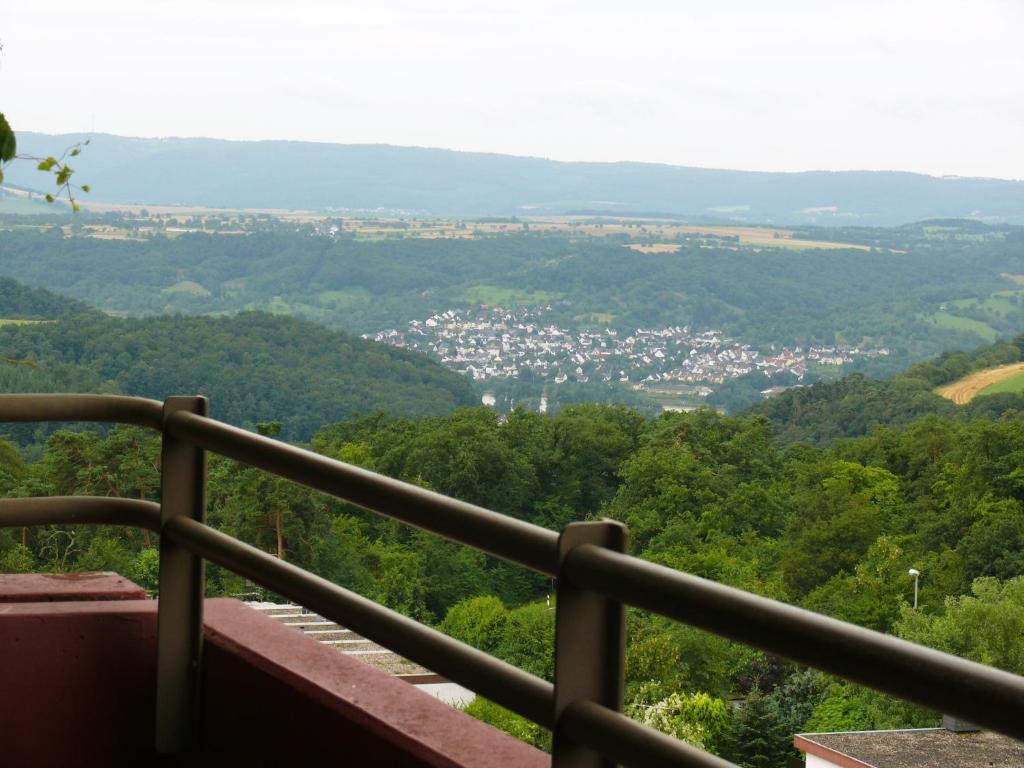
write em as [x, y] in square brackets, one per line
[19, 303]
[288, 174]
[919, 290]
[254, 367]
[854, 405]
[833, 529]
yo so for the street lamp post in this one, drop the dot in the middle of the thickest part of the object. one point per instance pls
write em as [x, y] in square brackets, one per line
[917, 575]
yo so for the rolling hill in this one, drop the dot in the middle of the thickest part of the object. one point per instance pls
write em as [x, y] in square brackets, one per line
[254, 367]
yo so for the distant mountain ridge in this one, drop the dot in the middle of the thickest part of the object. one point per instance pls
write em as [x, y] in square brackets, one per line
[306, 175]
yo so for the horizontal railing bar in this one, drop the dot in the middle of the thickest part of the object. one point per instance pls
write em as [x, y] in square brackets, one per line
[140, 411]
[503, 683]
[79, 510]
[955, 686]
[496, 534]
[614, 735]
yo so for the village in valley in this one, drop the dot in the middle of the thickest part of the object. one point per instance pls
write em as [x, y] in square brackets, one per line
[493, 343]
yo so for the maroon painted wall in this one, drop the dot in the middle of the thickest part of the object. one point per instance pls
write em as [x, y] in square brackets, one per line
[76, 683]
[76, 688]
[290, 700]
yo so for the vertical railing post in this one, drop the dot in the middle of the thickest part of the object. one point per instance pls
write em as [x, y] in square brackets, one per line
[180, 609]
[590, 643]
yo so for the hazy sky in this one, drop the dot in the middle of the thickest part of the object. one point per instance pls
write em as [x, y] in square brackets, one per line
[927, 86]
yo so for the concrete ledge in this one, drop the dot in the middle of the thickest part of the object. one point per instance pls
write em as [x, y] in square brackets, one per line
[63, 587]
[76, 688]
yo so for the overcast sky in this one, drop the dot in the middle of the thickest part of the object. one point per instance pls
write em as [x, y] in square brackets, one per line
[927, 86]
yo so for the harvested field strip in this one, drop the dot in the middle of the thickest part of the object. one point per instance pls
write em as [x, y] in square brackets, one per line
[966, 389]
[654, 247]
[1011, 384]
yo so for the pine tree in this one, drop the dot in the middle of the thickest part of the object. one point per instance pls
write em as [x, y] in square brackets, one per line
[758, 738]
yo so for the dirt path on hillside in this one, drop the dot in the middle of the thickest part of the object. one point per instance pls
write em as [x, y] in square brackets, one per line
[966, 389]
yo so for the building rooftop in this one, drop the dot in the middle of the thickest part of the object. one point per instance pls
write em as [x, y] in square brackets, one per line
[913, 748]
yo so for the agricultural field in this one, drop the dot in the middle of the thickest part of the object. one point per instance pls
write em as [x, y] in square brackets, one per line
[19, 321]
[946, 320]
[187, 288]
[760, 237]
[1012, 384]
[985, 382]
[654, 247]
[1000, 303]
[173, 221]
[186, 211]
[497, 296]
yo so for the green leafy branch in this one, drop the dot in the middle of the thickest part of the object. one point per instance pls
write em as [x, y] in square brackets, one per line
[57, 166]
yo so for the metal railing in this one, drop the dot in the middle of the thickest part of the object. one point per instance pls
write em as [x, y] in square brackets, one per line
[595, 581]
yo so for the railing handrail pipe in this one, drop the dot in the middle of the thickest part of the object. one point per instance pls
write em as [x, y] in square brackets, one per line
[976, 692]
[79, 510]
[499, 535]
[140, 411]
[499, 681]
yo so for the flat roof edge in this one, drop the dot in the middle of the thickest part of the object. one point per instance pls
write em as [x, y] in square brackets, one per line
[841, 759]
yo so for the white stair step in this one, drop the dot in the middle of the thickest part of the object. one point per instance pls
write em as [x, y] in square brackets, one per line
[309, 624]
[330, 632]
[368, 653]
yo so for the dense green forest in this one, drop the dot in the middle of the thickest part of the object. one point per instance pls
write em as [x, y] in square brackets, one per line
[919, 290]
[831, 528]
[253, 366]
